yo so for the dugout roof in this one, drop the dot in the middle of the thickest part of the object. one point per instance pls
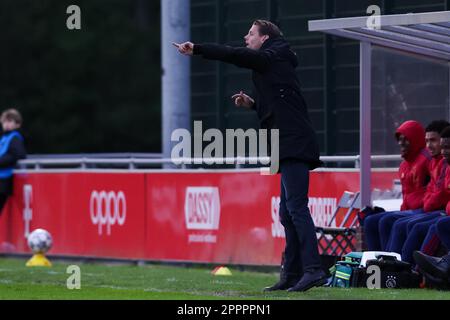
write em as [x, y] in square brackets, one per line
[422, 34]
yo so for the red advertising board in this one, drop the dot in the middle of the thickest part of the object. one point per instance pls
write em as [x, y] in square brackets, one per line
[224, 217]
[214, 216]
[88, 214]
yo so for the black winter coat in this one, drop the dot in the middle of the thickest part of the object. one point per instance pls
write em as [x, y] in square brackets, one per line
[278, 100]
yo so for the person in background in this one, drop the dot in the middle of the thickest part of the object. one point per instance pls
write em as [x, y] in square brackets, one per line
[433, 268]
[439, 233]
[414, 177]
[12, 149]
[408, 233]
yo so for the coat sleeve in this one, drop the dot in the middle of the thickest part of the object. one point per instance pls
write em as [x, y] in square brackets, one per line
[401, 173]
[435, 195]
[420, 180]
[434, 201]
[257, 60]
[404, 206]
[16, 151]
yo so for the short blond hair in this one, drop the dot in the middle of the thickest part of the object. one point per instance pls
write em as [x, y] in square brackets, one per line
[11, 115]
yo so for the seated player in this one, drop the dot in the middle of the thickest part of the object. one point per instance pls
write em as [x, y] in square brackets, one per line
[405, 238]
[414, 176]
[439, 232]
[433, 267]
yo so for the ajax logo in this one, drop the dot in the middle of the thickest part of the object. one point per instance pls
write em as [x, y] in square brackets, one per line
[107, 209]
[391, 282]
[202, 208]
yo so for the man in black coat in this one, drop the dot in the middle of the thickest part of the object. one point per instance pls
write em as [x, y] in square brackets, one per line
[279, 104]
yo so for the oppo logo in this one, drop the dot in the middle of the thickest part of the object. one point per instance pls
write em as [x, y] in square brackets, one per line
[107, 209]
[202, 208]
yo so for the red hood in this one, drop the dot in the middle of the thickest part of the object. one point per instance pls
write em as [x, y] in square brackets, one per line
[415, 133]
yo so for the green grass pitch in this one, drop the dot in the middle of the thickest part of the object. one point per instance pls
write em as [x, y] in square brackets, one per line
[130, 281]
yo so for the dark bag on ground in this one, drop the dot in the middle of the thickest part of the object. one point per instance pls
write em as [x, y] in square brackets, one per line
[394, 274]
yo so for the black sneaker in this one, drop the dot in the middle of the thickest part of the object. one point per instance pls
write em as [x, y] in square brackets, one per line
[309, 280]
[436, 267]
[283, 284]
[435, 283]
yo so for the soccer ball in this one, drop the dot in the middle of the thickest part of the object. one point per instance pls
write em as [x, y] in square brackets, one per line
[40, 241]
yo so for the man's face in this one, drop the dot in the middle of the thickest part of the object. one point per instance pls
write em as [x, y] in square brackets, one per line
[445, 148]
[253, 39]
[404, 144]
[432, 139]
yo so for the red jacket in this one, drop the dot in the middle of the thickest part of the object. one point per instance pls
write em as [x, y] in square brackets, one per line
[447, 189]
[414, 169]
[435, 195]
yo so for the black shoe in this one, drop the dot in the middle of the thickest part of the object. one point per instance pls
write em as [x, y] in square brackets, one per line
[436, 267]
[309, 280]
[283, 284]
[435, 283]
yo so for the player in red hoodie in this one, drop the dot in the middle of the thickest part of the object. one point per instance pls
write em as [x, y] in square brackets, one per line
[408, 233]
[414, 171]
[438, 232]
[414, 176]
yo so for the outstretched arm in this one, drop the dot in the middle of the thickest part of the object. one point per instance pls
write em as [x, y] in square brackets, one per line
[257, 60]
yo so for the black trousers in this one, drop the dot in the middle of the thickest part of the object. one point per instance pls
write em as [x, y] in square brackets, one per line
[301, 253]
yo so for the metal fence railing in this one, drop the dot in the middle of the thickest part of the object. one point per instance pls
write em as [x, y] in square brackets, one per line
[137, 161]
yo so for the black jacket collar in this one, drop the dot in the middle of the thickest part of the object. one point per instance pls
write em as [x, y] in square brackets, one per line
[277, 41]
